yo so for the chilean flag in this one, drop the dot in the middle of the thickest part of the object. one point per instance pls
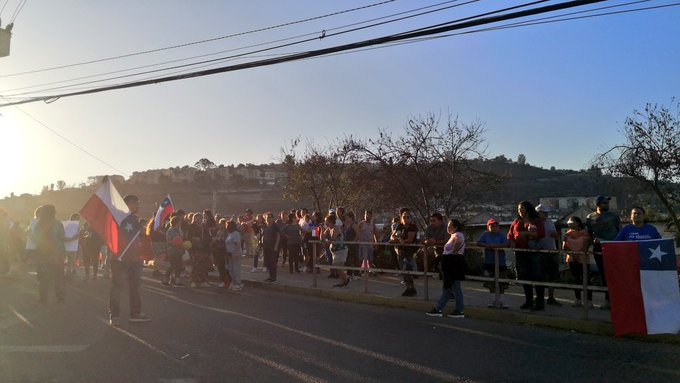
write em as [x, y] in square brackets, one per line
[106, 212]
[642, 278]
[164, 211]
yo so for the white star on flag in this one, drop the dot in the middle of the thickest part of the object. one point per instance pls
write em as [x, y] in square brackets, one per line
[128, 227]
[657, 253]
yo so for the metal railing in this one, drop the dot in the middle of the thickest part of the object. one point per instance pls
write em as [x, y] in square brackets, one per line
[496, 279]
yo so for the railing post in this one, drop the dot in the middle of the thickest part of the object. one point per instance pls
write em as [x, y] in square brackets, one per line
[314, 255]
[584, 293]
[496, 275]
[425, 272]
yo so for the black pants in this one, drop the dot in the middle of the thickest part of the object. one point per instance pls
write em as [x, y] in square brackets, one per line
[294, 257]
[220, 260]
[530, 268]
[50, 274]
[175, 266]
[576, 269]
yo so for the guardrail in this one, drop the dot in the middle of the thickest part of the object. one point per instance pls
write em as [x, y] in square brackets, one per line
[585, 287]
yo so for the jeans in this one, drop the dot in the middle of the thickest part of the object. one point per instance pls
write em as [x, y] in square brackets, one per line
[408, 264]
[235, 268]
[120, 271]
[294, 257]
[366, 252]
[454, 290]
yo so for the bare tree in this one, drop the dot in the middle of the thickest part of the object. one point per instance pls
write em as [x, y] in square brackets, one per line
[650, 154]
[328, 175]
[61, 185]
[428, 168]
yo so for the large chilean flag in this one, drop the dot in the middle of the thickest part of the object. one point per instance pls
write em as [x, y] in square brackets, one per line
[106, 211]
[642, 278]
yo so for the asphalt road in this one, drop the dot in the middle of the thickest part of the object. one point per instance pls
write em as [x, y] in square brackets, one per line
[213, 335]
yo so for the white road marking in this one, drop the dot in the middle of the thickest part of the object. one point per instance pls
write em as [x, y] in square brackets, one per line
[21, 317]
[285, 369]
[43, 348]
[141, 341]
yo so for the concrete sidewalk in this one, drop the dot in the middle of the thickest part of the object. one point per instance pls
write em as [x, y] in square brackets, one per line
[386, 289]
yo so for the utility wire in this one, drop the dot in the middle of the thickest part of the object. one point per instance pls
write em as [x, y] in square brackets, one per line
[66, 139]
[315, 34]
[3, 7]
[17, 11]
[326, 51]
[200, 41]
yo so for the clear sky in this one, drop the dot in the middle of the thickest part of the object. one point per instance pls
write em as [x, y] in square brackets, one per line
[557, 93]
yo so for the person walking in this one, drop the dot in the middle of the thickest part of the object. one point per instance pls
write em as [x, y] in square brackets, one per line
[128, 266]
[453, 270]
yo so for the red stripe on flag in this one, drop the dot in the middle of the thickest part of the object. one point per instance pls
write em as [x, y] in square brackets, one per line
[622, 268]
[98, 215]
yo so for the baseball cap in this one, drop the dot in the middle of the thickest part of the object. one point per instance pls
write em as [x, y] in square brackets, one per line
[542, 208]
[601, 198]
[491, 222]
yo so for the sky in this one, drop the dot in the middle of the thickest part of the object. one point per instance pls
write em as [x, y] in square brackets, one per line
[557, 93]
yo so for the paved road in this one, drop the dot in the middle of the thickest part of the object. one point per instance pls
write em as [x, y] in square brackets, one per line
[208, 334]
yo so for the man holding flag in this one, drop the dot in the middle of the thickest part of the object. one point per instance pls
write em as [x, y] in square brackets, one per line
[115, 220]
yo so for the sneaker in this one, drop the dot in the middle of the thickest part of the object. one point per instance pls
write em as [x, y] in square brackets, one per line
[221, 285]
[264, 270]
[139, 318]
[526, 306]
[402, 283]
[553, 302]
[236, 288]
[411, 292]
[114, 321]
[434, 313]
[457, 314]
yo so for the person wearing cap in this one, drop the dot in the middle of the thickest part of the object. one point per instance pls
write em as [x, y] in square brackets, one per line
[492, 240]
[127, 265]
[551, 261]
[602, 225]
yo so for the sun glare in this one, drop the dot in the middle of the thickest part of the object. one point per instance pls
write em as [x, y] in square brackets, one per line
[13, 155]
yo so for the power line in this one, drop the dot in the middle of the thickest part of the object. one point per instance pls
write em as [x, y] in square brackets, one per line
[200, 41]
[66, 139]
[221, 59]
[326, 51]
[3, 7]
[17, 11]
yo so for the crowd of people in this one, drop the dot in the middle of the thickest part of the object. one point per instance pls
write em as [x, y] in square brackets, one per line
[189, 245]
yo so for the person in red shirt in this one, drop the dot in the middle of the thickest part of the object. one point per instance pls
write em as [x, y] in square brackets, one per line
[525, 232]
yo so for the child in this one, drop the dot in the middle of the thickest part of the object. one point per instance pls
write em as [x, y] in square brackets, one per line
[577, 239]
